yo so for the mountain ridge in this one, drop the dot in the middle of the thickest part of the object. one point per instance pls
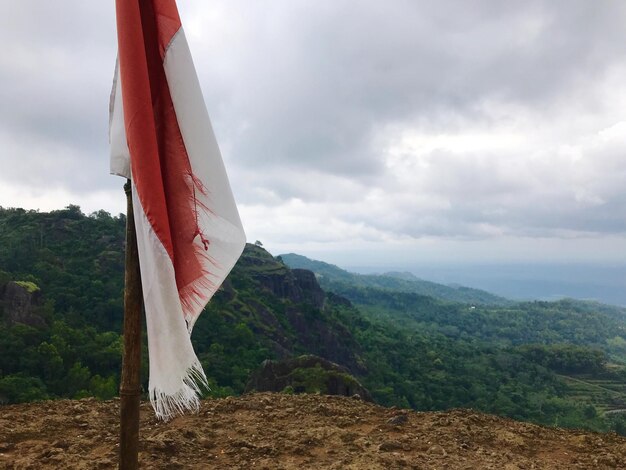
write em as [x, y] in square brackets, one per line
[332, 276]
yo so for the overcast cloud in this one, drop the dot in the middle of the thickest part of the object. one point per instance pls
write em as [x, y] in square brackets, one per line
[355, 131]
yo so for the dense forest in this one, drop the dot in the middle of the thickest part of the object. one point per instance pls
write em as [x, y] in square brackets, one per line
[411, 343]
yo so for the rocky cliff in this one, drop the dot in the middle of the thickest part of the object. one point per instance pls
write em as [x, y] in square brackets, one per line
[290, 309]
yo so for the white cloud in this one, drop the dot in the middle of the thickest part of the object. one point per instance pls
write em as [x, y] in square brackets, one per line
[429, 127]
[48, 198]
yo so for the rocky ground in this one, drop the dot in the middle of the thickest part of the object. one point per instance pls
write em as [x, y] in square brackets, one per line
[276, 431]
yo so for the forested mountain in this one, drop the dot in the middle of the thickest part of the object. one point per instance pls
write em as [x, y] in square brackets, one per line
[61, 308]
[336, 279]
[397, 297]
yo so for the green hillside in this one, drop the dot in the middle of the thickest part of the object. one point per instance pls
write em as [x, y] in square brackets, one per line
[61, 308]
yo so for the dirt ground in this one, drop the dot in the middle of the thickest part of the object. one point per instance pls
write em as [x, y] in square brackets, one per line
[275, 431]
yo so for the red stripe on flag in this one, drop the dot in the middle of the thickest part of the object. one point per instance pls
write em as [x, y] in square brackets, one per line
[159, 162]
[167, 22]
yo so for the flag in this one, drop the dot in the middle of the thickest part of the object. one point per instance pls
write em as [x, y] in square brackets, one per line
[189, 234]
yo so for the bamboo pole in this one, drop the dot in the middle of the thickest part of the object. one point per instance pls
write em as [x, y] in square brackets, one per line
[130, 385]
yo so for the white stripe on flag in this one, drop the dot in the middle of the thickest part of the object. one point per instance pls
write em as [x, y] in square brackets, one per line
[174, 367]
[223, 223]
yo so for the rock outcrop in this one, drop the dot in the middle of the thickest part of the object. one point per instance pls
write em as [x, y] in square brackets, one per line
[306, 374]
[19, 301]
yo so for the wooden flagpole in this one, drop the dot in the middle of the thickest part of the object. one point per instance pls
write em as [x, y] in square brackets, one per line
[130, 384]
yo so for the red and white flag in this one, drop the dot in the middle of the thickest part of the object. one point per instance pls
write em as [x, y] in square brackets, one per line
[189, 234]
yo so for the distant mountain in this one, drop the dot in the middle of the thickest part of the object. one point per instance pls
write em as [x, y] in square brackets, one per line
[539, 280]
[339, 280]
[404, 275]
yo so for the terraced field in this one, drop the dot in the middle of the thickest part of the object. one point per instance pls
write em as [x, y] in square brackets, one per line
[608, 396]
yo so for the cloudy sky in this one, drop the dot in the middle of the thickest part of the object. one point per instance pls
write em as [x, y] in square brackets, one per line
[358, 132]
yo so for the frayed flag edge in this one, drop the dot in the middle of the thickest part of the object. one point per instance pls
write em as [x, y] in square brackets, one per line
[186, 399]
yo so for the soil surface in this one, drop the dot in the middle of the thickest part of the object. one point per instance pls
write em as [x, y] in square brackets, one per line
[277, 431]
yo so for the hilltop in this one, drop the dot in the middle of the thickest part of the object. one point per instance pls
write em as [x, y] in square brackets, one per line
[289, 432]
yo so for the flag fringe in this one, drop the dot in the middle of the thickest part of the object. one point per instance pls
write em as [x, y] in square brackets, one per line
[187, 398]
